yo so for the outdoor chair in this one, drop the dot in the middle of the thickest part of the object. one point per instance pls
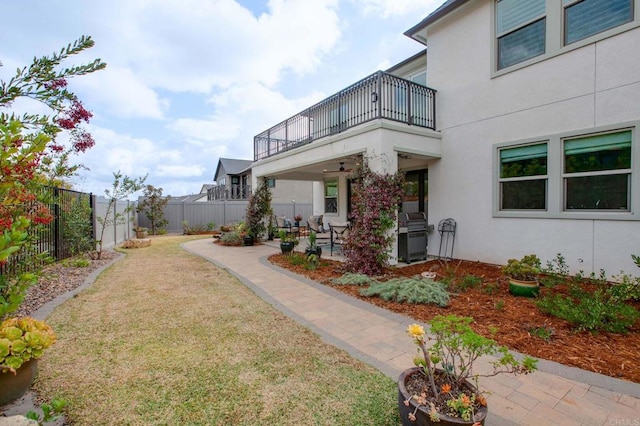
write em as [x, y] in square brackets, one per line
[314, 223]
[283, 223]
[339, 232]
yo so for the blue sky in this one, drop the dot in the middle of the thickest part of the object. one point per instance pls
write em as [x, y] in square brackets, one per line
[190, 81]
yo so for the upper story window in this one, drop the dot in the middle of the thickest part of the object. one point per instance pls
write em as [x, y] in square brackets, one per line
[419, 78]
[521, 30]
[584, 18]
[529, 31]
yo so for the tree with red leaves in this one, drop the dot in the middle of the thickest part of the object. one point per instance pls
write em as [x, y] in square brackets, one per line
[30, 151]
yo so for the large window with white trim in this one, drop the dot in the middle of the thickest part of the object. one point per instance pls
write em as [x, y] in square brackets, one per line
[597, 172]
[520, 30]
[584, 18]
[523, 177]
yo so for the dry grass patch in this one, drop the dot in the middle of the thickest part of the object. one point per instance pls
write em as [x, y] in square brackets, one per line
[164, 337]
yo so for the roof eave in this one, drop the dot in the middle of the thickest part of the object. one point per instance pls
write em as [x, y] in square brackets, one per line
[439, 13]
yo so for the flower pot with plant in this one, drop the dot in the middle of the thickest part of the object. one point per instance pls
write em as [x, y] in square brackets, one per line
[297, 219]
[22, 343]
[288, 241]
[141, 232]
[443, 389]
[523, 275]
[312, 247]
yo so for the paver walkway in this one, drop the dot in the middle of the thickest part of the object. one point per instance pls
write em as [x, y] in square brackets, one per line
[555, 395]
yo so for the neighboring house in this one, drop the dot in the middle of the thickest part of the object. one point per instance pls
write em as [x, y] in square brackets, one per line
[536, 146]
[233, 182]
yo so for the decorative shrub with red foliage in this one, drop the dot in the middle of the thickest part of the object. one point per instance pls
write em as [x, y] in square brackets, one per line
[375, 199]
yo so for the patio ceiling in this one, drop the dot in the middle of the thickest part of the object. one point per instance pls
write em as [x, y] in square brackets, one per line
[321, 169]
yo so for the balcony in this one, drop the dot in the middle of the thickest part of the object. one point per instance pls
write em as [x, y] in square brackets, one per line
[229, 192]
[379, 96]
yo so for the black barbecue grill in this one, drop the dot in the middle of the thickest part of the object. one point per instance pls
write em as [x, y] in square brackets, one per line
[412, 236]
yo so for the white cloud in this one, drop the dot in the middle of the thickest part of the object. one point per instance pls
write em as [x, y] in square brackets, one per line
[219, 127]
[218, 43]
[175, 171]
[387, 8]
[123, 93]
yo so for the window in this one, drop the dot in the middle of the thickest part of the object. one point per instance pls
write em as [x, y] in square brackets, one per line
[331, 196]
[271, 183]
[523, 177]
[420, 78]
[597, 172]
[529, 31]
[520, 30]
[584, 18]
[593, 174]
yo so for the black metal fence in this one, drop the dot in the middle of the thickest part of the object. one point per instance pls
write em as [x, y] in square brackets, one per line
[71, 231]
[72, 223]
[381, 95]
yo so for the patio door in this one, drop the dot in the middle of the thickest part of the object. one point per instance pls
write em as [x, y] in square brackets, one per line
[416, 192]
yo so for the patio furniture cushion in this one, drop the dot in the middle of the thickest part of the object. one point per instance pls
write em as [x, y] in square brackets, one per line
[314, 223]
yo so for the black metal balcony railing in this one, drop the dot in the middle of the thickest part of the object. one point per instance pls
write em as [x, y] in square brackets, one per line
[229, 192]
[380, 95]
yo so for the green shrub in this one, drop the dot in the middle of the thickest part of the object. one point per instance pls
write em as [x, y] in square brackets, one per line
[231, 239]
[415, 290]
[543, 333]
[590, 311]
[77, 227]
[351, 278]
[491, 288]
[469, 281]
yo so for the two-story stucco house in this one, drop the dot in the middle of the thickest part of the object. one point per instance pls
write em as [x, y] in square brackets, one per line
[534, 144]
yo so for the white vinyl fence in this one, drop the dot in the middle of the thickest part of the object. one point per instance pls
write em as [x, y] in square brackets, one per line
[218, 213]
[115, 232]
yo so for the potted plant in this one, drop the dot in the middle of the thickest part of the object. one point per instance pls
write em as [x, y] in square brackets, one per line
[141, 232]
[312, 247]
[287, 241]
[297, 219]
[439, 389]
[523, 275]
[22, 343]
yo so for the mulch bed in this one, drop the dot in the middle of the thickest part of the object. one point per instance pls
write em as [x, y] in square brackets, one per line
[57, 279]
[516, 318]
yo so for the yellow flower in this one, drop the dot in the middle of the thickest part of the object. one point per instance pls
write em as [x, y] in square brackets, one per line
[416, 331]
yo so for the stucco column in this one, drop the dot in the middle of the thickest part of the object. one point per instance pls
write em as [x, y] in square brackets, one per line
[384, 160]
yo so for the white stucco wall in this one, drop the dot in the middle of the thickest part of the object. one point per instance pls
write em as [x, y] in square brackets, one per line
[581, 90]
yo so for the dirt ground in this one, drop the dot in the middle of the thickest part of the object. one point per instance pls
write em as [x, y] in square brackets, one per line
[517, 318]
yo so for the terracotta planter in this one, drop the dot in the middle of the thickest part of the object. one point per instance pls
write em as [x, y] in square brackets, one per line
[422, 414]
[523, 288]
[142, 234]
[13, 386]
